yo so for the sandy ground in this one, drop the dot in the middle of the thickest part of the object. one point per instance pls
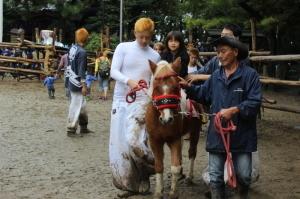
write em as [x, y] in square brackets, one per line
[38, 160]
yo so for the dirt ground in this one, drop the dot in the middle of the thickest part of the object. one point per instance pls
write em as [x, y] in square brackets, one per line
[38, 160]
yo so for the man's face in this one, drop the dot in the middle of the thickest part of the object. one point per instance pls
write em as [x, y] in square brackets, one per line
[227, 32]
[227, 55]
[193, 59]
[143, 38]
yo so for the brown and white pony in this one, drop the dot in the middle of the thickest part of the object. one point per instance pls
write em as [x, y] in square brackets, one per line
[165, 124]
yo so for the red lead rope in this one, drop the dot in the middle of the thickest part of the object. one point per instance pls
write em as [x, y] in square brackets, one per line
[225, 134]
[131, 96]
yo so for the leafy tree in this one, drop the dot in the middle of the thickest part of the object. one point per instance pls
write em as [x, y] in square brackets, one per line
[274, 18]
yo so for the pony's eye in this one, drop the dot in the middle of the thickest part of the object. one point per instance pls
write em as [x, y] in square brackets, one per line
[158, 89]
[175, 88]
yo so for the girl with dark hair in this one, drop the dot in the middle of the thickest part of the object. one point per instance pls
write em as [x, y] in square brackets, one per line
[175, 48]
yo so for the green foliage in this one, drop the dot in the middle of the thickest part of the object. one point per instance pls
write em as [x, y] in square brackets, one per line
[275, 17]
[114, 41]
[206, 24]
[268, 23]
[94, 42]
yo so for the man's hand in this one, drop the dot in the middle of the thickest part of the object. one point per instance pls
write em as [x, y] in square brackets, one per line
[84, 89]
[228, 113]
[191, 78]
[197, 77]
[183, 83]
[132, 84]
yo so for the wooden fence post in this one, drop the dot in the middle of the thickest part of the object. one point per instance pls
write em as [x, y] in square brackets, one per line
[60, 35]
[37, 35]
[253, 33]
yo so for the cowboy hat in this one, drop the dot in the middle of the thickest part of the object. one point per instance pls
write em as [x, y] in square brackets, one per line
[234, 43]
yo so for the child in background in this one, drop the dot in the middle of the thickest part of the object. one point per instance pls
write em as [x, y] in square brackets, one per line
[102, 71]
[49, 82]
[175, 48]
[89, 80]
[194, 64]
[159, 47]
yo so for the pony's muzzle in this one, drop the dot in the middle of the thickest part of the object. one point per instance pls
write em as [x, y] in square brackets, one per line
[166, 117]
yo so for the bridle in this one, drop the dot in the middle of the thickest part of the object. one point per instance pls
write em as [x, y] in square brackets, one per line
[170, 101]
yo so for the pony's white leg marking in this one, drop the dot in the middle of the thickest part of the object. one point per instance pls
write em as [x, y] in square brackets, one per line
[159, 185]
[175, 170]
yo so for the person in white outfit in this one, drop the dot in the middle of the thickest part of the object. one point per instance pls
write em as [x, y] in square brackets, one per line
[131, 160]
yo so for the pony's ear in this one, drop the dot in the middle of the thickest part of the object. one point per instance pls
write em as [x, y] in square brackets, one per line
[176, 65]
[153, 66]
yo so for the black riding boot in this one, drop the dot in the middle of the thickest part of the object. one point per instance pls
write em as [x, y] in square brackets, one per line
[244, 192]
[83, 122]
[217, 193]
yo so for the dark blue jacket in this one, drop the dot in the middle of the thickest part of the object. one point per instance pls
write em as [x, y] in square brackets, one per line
[77, 59]
[49, 82]
[89, 80]
[212, 65]
[241, 89]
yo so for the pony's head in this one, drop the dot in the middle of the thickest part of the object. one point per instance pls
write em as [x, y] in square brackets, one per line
[165, 89]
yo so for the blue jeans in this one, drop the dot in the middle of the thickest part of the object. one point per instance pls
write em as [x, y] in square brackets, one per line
[103, 83]
[242, 163]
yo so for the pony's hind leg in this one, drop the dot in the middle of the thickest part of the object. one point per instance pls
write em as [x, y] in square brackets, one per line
[158, 152]
[194, 139]
[176, 168]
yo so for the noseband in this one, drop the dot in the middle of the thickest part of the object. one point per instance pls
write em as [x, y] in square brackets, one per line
[170, 101]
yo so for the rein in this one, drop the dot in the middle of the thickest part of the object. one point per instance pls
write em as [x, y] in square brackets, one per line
[225, 134]
[131, 96]
[171, 101]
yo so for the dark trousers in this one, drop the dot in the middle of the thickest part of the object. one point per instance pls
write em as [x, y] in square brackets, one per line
[51, 92]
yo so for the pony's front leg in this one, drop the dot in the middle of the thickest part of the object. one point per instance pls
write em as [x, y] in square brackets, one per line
[176, 168]
[158, 152]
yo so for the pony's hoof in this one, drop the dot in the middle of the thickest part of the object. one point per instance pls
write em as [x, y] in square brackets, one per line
[189, 180]
[158, 195]
[173, 195]
[144, 187]
[126, 194]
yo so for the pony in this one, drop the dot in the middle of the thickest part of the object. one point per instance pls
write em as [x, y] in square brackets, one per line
[166, 124]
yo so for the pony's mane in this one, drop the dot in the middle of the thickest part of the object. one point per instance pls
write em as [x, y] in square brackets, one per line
[161, 65]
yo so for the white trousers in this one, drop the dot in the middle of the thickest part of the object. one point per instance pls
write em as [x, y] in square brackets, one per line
[127, 132]
[77, 108]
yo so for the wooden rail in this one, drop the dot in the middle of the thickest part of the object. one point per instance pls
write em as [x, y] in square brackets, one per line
[8, 69]
[274, 58]
[281, 108]
[251, 53]
[19, 59]
[263, 80]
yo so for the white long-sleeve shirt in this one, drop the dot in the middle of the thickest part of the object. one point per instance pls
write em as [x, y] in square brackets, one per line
[130, 61]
